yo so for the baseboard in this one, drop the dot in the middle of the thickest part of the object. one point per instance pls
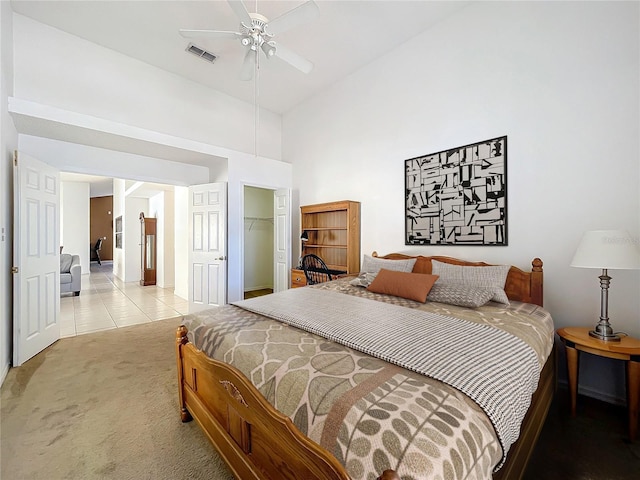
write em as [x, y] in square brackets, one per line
[4, 373]
[598, 395]
[253, 289]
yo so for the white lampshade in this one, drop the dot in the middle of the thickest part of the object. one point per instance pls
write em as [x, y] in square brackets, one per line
[610, 249]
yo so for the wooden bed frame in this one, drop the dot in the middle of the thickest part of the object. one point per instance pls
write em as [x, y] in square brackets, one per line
[258, 442]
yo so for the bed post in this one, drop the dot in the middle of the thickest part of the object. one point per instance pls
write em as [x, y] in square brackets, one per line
[389, 475]
[536, 282]
[181, 339]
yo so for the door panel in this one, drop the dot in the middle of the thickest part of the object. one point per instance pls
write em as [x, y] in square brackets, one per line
[214, 292]
[36, 255]
[207, 246]
[282, 240]
[198, 282]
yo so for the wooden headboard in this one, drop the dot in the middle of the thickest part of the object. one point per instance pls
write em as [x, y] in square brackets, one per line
[520, 286]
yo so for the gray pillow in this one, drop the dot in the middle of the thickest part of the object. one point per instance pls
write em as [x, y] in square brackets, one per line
[65, 263]
[493, 277]
[372, 265]
[363, 280]
[461, 295]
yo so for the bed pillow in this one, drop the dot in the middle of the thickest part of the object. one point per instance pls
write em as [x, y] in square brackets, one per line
[372, 265]
[493, 277]
[414, 286]
[364, 279]
[460, 295]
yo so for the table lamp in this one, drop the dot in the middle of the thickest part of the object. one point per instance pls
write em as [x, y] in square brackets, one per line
[304, 237]
[606, 249]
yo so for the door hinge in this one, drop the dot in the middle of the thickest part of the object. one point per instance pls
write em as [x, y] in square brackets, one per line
[15, 158]
[14, 269]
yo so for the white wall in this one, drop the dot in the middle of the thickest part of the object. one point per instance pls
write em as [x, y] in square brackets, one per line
[560, 79]
[258, 238]
[8, 143]
[181, 198]
[119, 254]
[74, 221]
[102, 189]
[161, 207]
[80, 76]
[169, 248]
[74, 157]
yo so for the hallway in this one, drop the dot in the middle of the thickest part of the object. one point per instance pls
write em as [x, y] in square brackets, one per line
[105, 302]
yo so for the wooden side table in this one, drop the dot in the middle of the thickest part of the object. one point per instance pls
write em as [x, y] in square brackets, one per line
[577, 339]
[297, 278]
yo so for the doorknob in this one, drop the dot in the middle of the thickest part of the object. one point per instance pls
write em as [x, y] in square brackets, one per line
[221, 258]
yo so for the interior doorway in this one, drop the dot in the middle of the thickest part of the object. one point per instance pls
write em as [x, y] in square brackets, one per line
[101, 228]
[258, 241]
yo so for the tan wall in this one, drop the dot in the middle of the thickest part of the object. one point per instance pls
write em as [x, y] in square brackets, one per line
[101, 225]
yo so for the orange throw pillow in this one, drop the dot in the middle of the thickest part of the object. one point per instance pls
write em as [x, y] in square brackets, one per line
[414, 286]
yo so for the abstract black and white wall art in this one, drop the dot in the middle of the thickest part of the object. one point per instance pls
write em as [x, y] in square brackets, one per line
[458, 196]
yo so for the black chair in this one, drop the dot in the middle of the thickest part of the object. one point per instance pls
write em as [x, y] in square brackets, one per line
[96, 251]
[315, 269]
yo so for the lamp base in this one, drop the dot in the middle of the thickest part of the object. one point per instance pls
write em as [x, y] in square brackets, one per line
[603, 330]
[604, 334]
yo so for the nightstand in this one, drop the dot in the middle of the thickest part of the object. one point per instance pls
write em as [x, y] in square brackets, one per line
[297, 278]
[577, 339]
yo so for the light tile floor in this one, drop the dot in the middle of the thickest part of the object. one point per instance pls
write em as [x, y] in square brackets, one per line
[106, 302]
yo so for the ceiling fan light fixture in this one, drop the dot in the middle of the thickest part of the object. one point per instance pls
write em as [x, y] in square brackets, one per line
[269, 49]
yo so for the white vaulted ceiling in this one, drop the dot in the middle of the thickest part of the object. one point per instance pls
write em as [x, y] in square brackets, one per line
[346, 36]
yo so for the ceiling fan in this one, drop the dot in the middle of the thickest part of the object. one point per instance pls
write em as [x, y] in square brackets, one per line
[257, 33]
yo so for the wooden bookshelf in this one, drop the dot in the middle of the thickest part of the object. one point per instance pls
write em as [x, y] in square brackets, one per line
[333, 230]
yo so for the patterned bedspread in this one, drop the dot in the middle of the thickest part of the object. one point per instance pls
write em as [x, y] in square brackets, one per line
[370, 414]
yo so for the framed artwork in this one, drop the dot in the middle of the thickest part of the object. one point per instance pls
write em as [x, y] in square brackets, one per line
[458, 196]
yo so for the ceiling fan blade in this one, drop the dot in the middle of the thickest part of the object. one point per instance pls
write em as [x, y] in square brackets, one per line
[292, 58]
[248, 66]
[294, 17]
[209, 34]
[241, 11]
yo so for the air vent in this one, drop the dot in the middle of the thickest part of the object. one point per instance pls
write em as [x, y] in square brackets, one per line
[208, 56]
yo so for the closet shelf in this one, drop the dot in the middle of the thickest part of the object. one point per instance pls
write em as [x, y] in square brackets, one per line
[253, 220]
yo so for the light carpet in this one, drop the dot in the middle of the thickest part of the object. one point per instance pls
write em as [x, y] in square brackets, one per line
[102, 405]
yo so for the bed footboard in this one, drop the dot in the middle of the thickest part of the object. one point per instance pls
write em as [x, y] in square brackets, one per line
[254, 439]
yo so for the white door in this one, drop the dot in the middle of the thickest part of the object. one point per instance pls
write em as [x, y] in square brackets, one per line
[282, 240]
[36, 257]
[207, 246]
